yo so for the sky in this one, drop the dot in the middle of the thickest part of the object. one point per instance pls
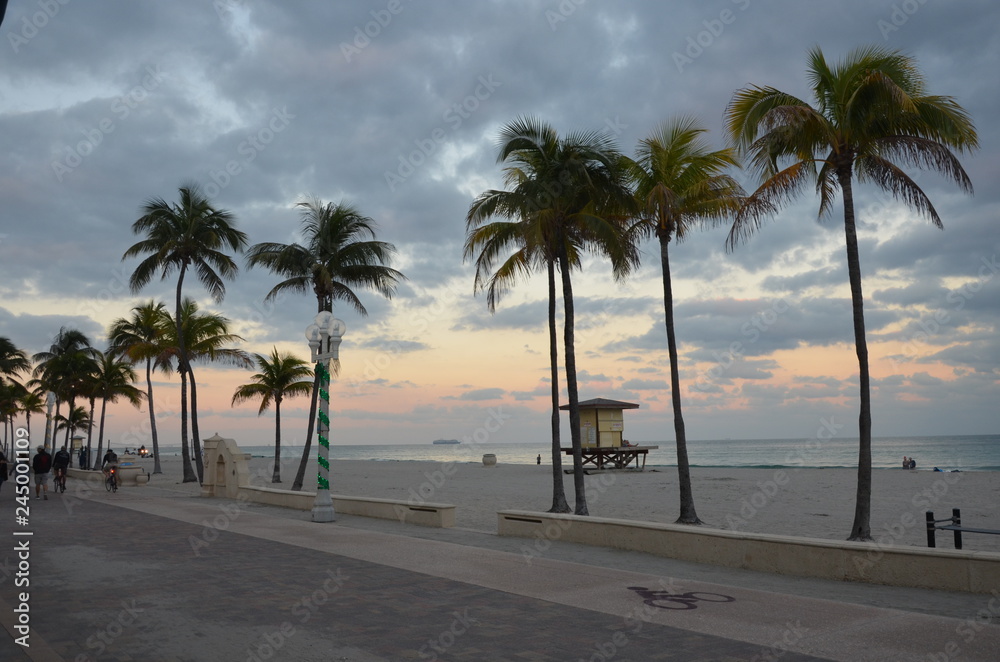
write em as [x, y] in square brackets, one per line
[395, 107]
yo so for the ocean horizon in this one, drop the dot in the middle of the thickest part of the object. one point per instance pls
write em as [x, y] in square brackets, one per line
[948, 453]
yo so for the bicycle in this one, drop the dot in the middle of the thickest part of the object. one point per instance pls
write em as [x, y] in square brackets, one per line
[677, 600]
[111, 482]
[60, 482]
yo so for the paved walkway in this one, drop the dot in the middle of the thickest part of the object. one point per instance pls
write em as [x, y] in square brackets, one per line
[157, 576]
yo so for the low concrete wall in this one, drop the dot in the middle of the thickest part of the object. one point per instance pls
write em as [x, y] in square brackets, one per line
[425, 514]
[949, 570]
[127, 476]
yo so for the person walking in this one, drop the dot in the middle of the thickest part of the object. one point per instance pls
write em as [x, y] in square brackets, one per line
[41, 464]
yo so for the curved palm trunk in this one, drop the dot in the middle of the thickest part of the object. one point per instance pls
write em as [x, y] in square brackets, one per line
[72, 405]
[195, 435]
[189, 474]
[559, 504]
[50, 429]
[861, 528]
[688, 514]
[152, 418]
[183, 369]
[100, 432]
[300, 475]
[276, 475]
[571, 389]
[90, 426]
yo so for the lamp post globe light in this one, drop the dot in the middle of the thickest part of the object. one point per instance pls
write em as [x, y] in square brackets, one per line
[324, 336]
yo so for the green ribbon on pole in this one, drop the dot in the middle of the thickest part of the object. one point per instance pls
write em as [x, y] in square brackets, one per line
[324, 484]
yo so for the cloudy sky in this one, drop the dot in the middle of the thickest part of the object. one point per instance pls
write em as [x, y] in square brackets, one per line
[395, 106]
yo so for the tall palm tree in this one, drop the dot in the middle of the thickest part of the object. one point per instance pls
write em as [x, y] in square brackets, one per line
[492, 241]
[140, 337]
[280, 376]
[11, 392]
[77, 419]
[339, 253]
[872, 115]
[574, 189]
[13, 361]
[63, 368]
[680, 183]
[113, 379]
[191, 233]
[207, 339]
[31, 401]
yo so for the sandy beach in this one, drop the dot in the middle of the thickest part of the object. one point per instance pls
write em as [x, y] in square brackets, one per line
[815, 503]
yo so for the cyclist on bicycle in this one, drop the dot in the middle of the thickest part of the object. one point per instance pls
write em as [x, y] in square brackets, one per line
[110, 461]
[60, 461]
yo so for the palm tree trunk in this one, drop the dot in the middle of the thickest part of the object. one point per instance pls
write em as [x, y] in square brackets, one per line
[688, 514]
[195, 435]
[72, 404]
[100, 434]
[300, 475]
[189, 474]
[559, 504]
[90, 425]
[152, 417]
[571, 389]
[861, 528]
[182, 368]
[276, 475]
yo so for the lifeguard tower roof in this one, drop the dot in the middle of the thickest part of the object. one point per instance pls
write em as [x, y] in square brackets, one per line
[603, 403]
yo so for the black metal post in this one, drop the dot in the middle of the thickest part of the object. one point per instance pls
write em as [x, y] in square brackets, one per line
[930, 529]
[956, 519]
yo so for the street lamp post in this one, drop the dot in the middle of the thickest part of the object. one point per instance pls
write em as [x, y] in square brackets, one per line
[324, 336]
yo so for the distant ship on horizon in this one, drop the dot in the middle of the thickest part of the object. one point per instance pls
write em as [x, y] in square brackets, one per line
[446, 441]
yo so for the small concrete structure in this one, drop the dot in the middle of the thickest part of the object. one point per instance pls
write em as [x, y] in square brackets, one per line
[946, 570]
[227, 475]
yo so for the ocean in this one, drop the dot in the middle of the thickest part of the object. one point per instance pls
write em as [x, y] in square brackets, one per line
[965, 453]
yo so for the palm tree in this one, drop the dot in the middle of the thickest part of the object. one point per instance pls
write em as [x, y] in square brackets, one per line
[280, 376]
[113, 379]
[680, 182]
[13, 361]
[872, 114]
[492, 241]
[141, 338]
[207, 338]
[31, 401]
[63, 368]
[78, 419]
[10, 397]
[574, 189]
[339, 253]
[193, 234]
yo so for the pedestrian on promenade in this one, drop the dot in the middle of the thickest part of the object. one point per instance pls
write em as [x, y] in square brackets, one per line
[41, 464]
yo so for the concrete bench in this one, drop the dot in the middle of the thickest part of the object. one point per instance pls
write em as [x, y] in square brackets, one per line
[440, 515]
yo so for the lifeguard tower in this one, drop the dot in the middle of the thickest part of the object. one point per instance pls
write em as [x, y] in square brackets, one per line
[602, 428]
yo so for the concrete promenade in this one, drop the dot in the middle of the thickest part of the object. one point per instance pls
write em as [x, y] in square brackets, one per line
[155, 575]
